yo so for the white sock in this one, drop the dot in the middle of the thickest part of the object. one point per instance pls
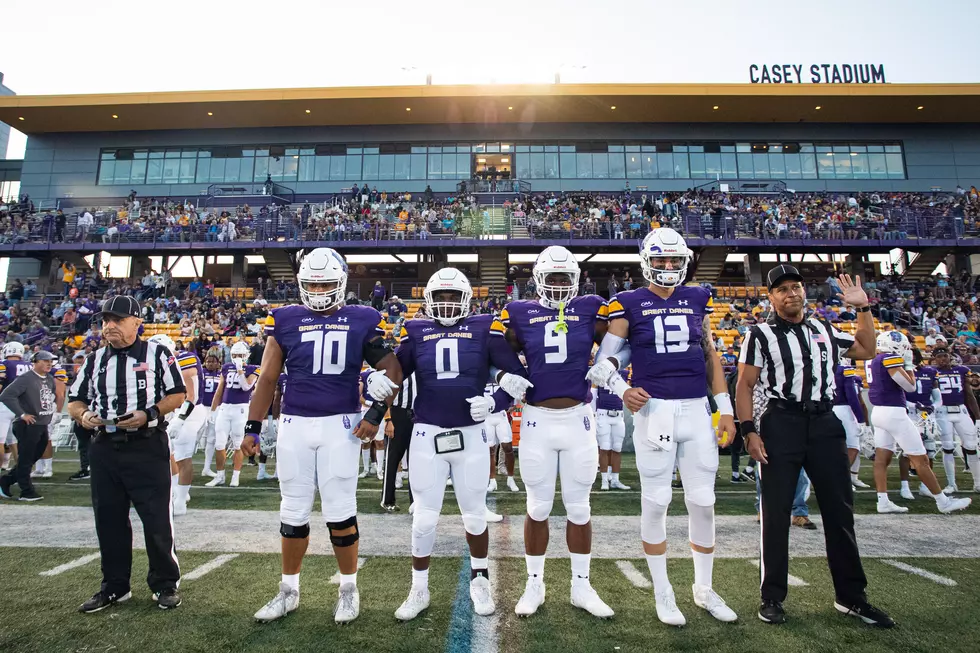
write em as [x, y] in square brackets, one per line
[39, 466]
[381, 460]
[208, 455]
[580, 566]
[949, 464]
[49, 465]
[615, 477]
[923, 488]
[366, 459]
[882, 497]
[183, 493]
[174, 482]
[856, 465]
[6, 459]
[605, 477]
[941, 499]
[221, 474]
[420, 578]
[974, 468]
[609, 469]
[292, 580]
[235, 473]
[658, 570]
[535, 566]
[480, 564]
[905, 486]
[703, 564]
[348, 578]
[261, 468]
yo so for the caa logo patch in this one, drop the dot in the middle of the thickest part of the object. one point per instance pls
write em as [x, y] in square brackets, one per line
[533, 311]
[645, 304]
[308, 319]
[346, 422]
[588, 425]
[483, 432]
[427, 329]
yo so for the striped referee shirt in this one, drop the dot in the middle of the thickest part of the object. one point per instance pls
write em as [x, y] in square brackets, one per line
[406, 396]
[797, 361]
[114, 382]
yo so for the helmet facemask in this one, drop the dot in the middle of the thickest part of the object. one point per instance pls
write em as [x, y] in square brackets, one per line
[323, 295]
[556, 288]
[664, 270]
[447, 306]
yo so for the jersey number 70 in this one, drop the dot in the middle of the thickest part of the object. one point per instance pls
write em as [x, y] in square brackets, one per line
[329, 351]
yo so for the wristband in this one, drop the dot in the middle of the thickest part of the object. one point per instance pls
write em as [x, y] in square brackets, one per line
[376, 413]
[253, 427]
[724, 403]
[864, 309]
[185, 410]
[152, 413]
[618, 385]
[745, 427]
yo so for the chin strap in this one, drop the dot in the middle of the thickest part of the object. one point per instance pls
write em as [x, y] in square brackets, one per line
[562, 326]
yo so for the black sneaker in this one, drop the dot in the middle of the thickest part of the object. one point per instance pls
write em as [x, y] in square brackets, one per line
[30, 495]
[167, 599]
[251, 461]
[80, 475]
[102, 600]
[866, 612]
[772, 612]
[391, 508]
[737, 478]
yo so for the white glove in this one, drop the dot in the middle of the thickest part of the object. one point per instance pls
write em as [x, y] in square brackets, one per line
[210, 421]
[867, 440]
[379, 386]
[481, 407]
[907, 357]
[56, 419]
[173, 429]
[514, 385]
[600, 373]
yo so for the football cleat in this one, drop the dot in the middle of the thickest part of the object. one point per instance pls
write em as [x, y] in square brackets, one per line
[399, 480]
[374, 469]
[262, 476]
[707, 598]
[233, 483]
[924, 491]
[667, 611]
[493, 518]
[887, 507]
[216, 481]
[585, 597]
[417, 601]
[533, 597]
[617, 485]
[858, 483]
[480, 595]
[449, 482]
[512, 485]
[492, 485]
[951, 489]
[348, 604]
[952, 505]
[363, 474]
[282, 604]
[906, 494]
[180, 508]
[605, 484]
[207, 472]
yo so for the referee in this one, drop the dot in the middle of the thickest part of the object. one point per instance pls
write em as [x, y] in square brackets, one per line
[122, 392]
[794, 356]
[400, 419]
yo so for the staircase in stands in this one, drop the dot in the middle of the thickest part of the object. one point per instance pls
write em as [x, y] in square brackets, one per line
[493, 269]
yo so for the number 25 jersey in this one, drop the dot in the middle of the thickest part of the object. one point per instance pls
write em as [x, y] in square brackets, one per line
[323, 354]
[665, 338]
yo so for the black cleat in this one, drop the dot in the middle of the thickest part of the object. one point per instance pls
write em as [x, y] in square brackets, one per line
[866, 612]
[167, 599]
[80, 475]
[737, 479]
[772, 612]
[30, 495]
[102, 600]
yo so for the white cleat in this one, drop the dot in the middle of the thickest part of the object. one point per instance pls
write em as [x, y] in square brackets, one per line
[707, 598]
[492, 485]
[907, 494]
[284, 602]
[512, 484]
[207, 472]
[616, 485]
[887, 506]
[399, 480]
[348, 604]
[262, 476]
[532, 599]
[411, 508]
[47, 474]
[583, 596]
[976, 489]
[363, 474]
[953, 505]
[858, 483]
[216, 481]
[951, 489]
[493, 517]
[417, 601]
[449, 482]
[374, 468]
[481, 597]
[605, 484]
[667, 611]
[924, 491]
[234, 482]
[180, 508]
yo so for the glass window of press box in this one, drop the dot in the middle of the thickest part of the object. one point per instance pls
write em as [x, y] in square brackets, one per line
[457, 161]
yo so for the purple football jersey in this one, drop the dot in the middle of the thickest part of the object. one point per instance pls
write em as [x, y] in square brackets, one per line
[847, 389]
[10, 369]
[556, 361]
[452, 364]
[324, 355]
[882, 389]
[281, 388]
[234, 392]
[209, 385]
[925, 382]
[951, 383]
[606, 400]
[363, 383]
[665, 336]
[187, 360]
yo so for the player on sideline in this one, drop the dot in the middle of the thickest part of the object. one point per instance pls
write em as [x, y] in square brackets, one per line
[211, 379]
[558, 428]
[12, 366]
[956, 416]
[229, 411]
[674, 361]
[44, 466]
[451, 355]
[185, 424]
[501, 437]
[890, 377]
[922, 405]
[323, 344]
[610, 430]
[850, 411]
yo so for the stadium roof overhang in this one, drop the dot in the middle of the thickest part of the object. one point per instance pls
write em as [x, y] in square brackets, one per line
[557, 103]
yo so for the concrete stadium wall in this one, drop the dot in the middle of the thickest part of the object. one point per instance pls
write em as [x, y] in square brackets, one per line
[58, 165]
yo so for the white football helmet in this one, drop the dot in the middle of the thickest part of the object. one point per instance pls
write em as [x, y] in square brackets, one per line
[892, 342]
[13, 350]
[322, 266]
[447, 296]
[165, 340]
[556, 261]
[661, 248]
[240, 351]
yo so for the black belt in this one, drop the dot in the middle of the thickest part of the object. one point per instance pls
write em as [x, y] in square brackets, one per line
[122, 435]
[808, 406]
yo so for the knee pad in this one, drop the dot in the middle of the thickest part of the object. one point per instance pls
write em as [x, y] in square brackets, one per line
[618, 437]
[539, 509]
[653, 517]
[604, 439]
[700, 524]
[294, 532]
[344, 540]
[424, 523]
[703, 495]
[578, 513]
[475, 523]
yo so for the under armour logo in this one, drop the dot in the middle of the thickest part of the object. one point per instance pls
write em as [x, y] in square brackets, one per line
[420, 434]
[464, 328]
[682, 302]
[570, 310]
[287, 420]
[531, 423]
[341, 319]
[665, 438]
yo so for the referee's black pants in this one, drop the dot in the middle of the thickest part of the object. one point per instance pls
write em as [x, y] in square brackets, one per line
[396, 447]
[815, 442]
[136, 471]
[31, 442]
[83, 437]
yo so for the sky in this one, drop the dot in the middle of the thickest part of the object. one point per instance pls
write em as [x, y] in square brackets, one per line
[68, 47]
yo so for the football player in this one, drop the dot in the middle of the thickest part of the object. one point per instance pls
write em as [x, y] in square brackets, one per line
[229, 411]
[851, 412]
[556, 332]
[889, 378]
[922, 405]
[451, 355]
[323, 343]
[43, 468]
[501, 438]
[610, 430]
[956, 417]
[211, 381]
[12, 366]
[366, 447]
[674, 362]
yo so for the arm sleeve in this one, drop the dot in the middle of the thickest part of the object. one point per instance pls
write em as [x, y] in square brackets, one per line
[751, 352]
[10, 397]
[900, 380]
[853, 398]
[405, 353]
[169, 370]
[81, 389]
[937, 398]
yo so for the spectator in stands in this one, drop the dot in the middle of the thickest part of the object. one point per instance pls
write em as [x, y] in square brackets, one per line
[847, 314]
[588, 286]
[67, 276]
[281, 290]
[612, 287]
[30, 288]
[256, 350]
[934, 339]
[378, 295]
[396, 311]
[195, 288]
[84, 223]
[260, 304]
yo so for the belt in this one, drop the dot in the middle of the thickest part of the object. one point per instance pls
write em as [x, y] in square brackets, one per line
[808, 406]
[123, 435]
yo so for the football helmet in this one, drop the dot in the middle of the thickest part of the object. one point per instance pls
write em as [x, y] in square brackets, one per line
[556, 261]
[664, 257]
[892, 342]
[447, 296]
[322, 267]
[165, 340]
[240, 351]
[13, 349]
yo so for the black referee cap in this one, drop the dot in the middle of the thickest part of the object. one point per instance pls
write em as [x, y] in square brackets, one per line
[120, 306]
[780, 273]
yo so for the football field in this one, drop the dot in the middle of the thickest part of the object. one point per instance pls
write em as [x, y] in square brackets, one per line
[921, 569]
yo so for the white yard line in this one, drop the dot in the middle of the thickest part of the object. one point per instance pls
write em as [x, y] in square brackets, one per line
[633, 575]
[335, 579]
[928, 575]
[209, 566]
[60, 569]
[793, 581]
